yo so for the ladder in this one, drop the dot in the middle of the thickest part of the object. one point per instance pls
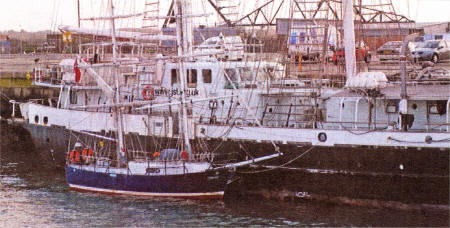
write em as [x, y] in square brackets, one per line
[150, 24]
[228, 8]
[151, 10]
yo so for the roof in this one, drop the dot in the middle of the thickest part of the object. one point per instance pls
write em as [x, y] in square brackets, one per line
[415, 92]
[3, 37]
[430, 24]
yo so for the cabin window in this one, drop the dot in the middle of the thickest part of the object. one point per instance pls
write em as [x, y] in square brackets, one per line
[232, 74]
[73, 97]
[207, 75]
[246, 74]
[437, 107]
[45, 119]
[174, 76]
[36, 119]
[392, 107]
[192, 78]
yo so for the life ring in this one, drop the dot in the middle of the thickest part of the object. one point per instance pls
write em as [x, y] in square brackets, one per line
[322, 136]
[148, 93]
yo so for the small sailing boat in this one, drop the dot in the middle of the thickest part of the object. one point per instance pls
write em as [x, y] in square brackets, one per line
[169, 174]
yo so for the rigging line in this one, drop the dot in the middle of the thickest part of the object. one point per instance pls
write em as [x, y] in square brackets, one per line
[362, 133]
[243, 101]
[280, 166]
[245, 151]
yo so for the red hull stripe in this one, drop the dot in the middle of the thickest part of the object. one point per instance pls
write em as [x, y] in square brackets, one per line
[203, 195]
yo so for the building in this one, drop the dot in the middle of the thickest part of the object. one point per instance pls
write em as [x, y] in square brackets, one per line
[54, 43]
[437, 28]
[5, 44]
[374, 34]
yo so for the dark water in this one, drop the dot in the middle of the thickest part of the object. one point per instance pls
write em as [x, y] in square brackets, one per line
[33, 196]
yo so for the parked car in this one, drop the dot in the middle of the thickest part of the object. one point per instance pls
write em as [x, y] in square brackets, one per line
[432, 50]
[361, 52]
[391, 50]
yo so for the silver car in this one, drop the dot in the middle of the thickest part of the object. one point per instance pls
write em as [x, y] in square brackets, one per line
[391, 50]
[432, 50]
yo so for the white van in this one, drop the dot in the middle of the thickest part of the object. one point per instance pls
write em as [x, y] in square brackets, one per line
[222, 48]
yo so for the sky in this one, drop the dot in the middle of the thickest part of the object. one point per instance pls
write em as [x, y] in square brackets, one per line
[35, 15]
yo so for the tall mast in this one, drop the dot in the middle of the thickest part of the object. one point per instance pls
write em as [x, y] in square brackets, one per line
[120, 149]
[78, 9]
[349, 39]
[184, 32]
[79, 26]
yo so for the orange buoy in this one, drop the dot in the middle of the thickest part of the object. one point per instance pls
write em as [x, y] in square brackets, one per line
[77, 156]
[185, 155]
[71, 153]
[84, 154]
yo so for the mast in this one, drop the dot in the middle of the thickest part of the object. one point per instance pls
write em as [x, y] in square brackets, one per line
[120, 149]
[79, 26]
[184, 41]
[349, 40]
[78, 9]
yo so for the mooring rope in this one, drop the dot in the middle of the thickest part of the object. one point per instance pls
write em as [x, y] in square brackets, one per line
[280, 166]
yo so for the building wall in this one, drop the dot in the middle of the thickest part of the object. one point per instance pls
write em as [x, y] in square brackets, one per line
[437, 28]
[5, 47]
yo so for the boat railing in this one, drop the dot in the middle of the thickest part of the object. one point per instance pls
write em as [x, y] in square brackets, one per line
[330, 125]
[139, 155]
[51, 102]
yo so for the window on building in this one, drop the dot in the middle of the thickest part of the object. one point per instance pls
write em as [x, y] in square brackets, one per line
[207, 76]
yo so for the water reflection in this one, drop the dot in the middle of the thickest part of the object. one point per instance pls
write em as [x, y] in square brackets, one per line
[34, 195]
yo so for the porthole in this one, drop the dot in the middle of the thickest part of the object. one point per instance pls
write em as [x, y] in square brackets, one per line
[36, 119]
[414, 106]
[322, 137]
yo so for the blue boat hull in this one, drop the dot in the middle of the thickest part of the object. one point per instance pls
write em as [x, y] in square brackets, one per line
[203, 185]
